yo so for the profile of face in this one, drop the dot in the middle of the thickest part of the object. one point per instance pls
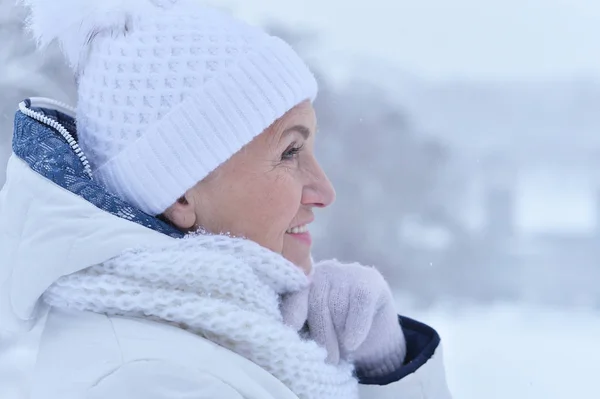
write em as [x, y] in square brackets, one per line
[266, 192]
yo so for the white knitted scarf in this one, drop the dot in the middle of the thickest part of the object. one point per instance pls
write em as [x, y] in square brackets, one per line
[225, 289]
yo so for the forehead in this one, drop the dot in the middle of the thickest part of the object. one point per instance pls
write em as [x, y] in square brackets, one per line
[301, 115]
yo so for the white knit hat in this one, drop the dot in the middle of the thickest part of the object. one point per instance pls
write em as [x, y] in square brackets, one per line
[168, 89]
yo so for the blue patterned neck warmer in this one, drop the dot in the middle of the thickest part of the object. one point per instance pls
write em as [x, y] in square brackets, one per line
[49, 154]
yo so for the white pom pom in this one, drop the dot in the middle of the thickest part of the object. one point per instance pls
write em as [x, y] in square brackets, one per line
[74, 23]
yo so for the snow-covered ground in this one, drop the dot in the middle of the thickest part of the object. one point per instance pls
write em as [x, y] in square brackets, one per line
[513, 352]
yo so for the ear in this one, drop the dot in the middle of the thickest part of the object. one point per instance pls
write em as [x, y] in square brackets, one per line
[182, 213]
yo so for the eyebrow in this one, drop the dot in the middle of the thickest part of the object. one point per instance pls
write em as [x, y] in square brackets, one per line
[303, 130]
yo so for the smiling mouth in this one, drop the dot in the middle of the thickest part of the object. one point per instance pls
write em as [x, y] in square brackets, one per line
[301, 234]
[298, 229]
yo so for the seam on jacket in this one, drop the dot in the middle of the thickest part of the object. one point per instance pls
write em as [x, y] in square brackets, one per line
[421, 385]
[142, 360]
[17, 253]
[38, 352]
[112, 326]
[119, 367]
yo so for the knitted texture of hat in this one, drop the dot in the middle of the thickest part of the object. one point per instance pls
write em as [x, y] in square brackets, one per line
[168, 89]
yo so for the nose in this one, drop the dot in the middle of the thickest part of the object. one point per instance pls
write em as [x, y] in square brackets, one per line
[318, 192]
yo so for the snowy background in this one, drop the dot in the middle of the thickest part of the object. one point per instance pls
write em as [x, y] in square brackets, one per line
[463, 140]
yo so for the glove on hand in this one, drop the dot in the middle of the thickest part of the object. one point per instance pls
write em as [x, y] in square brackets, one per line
[349, 310]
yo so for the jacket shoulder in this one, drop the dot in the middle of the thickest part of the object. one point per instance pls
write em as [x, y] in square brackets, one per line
[160, 379]
[174, 345]
[102, 354]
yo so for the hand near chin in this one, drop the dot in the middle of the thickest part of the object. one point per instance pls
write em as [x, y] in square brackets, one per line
[349, 310]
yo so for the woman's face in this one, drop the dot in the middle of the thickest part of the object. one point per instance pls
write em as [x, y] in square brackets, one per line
[266, 192]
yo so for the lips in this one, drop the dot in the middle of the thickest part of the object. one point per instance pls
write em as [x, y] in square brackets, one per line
[298, 229]
[301, 234]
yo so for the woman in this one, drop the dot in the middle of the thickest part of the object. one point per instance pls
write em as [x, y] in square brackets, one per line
[157, 245]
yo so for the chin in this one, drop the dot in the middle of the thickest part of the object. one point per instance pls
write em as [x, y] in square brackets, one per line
[298, 254]
[303, 262]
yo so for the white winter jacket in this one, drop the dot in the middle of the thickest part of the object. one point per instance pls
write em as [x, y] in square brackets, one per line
[48, 231]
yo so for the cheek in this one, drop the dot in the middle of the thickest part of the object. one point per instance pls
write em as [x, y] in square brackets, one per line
[275, 205]
[281, 202]
[260, 207]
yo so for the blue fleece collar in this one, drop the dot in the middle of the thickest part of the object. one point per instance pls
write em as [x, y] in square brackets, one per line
[49, 154]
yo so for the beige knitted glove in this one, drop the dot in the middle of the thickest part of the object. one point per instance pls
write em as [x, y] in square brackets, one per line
[349, 310]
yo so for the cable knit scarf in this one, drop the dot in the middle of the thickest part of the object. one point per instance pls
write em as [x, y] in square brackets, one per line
[225, 289]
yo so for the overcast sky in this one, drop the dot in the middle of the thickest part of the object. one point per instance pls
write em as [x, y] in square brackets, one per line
[449, 38]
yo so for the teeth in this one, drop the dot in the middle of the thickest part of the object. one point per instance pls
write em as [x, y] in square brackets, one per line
[298, 229]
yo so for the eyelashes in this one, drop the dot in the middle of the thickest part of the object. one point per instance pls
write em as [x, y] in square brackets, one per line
[292, 152]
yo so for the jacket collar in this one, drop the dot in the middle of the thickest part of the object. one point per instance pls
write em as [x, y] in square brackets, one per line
[54, 219]
[39, 139]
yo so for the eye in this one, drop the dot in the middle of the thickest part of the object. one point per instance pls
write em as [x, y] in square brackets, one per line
[291, 152]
